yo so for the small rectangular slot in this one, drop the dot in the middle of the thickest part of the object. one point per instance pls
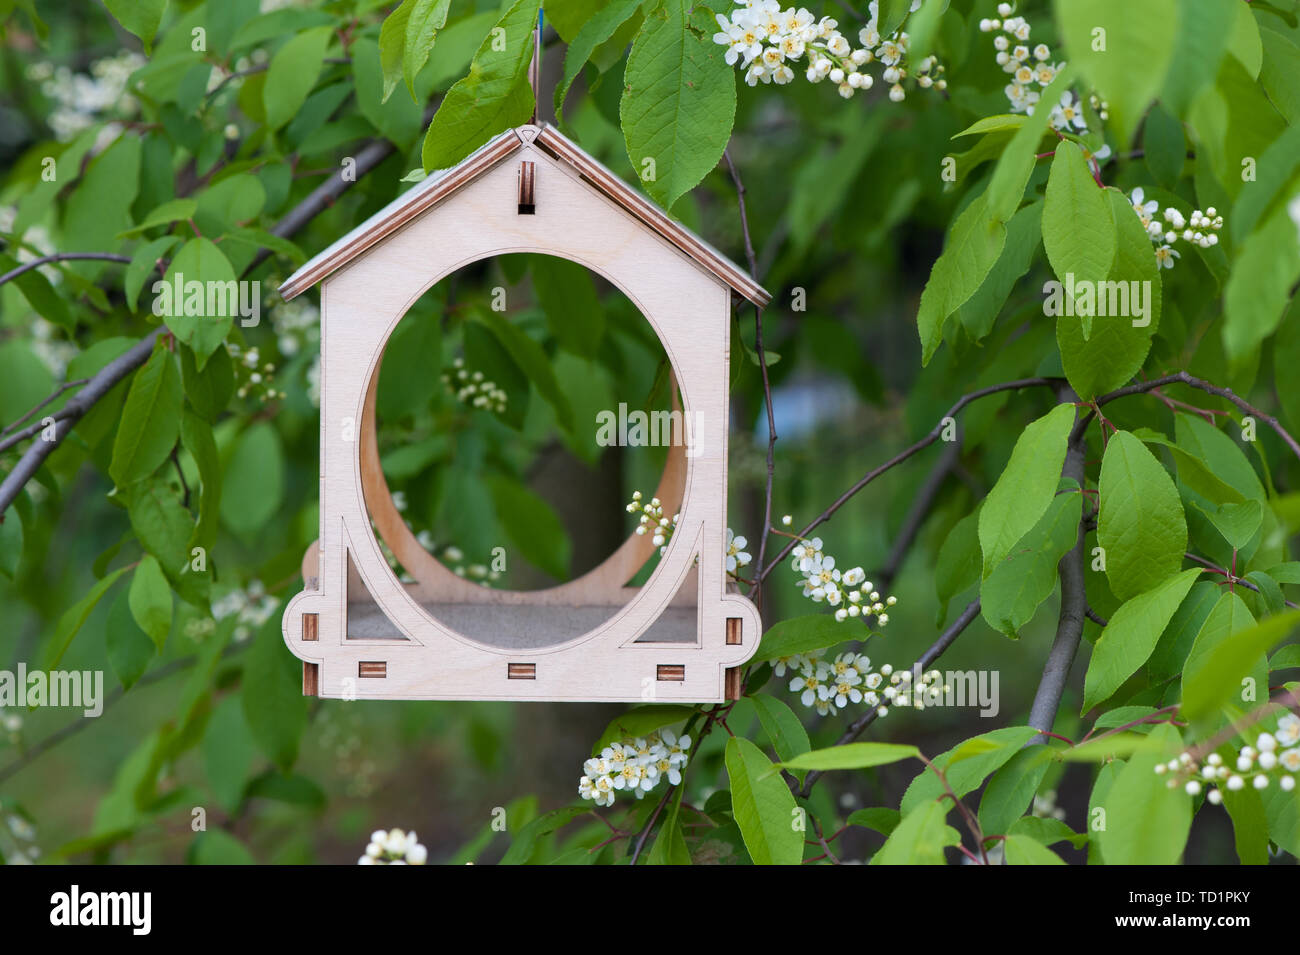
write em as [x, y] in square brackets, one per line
[732, 686]
[311, 626]
[372, 669]
[310, 679]
[672, 673]
[521, 671]
[733, 631]
[527, 188]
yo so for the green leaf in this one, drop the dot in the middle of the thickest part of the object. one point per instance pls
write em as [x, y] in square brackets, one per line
[426, 19]
[679, 100]
[1024, 235]
[218, 847]
[1022, 850]
[151, 601]
[74, 618]
[1141, 523]
[522, 846]
[1249, 824]
[143, 263]
[1263, 272]
[853, 756]
[878, 819]
[973, 247]
[1131, 635]
[253, 486]
[603, 25]
[670, 845]
[1016, 165]
[1119, 341]
[1011, 594]
[919, 839]
[1127, 62]
[533, 526]
[567, 294]
[1199, 46]
[292, 74]
[1238, 523]
[271, 691]
[763, 806]
[141, 17]
[967, 764]
[129, 648]
[400, 120]
[1227, 650]
[168, 212]
[199, 441]
[392, 46]
[493, 97]
[1027, 485]
[165, 527]
[799, 635]
[1047, 832]
[1146, 822]
[202, 320]
[150, 419]
[209, 390]
[640, 722]
[958, 566]
[532, 360]
[1011, 789]
[993, 124]
[1280, 74]
[1078, 227]
[782, 726]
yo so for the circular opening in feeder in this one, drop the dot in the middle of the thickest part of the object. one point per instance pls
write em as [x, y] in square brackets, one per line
[520, 404]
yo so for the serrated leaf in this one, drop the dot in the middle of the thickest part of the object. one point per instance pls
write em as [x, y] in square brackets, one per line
[763, 806]
[493, 97]
[292, 74]
[1131, 635]
[1141, 523]
[679, 100]
[1026, 486]
[150, 419]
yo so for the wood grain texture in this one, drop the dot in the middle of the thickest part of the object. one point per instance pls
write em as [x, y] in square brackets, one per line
[599, 639]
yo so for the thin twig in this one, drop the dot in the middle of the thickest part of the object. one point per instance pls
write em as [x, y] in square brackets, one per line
[757, 591]
[45, 401]
[902, 456]
[63, 257]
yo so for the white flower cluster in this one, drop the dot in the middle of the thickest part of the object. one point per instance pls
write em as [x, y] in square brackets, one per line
[255, 376]
[850, 591]
[471, 388]
[22, 841]
[635, 766]
[1201, 229]
[252, 606]
[653, 520]
[394, 848]
[296, 324]
[12, 723]
[1275, 755]
[766, 39]
[1032, 71]
[831, 685]
[80, 98]
[735, 552]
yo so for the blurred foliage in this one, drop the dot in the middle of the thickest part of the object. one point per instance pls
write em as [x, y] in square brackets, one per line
[907, 245]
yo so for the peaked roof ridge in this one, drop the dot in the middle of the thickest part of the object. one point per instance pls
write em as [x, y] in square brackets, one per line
[443, 183]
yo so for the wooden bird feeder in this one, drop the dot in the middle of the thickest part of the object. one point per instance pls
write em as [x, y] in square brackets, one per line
[360, 632]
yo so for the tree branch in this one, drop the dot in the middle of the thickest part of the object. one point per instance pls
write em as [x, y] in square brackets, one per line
[1074, 609]
[899, 458]
[63, 257]
[316, 202]
[1183, 378]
